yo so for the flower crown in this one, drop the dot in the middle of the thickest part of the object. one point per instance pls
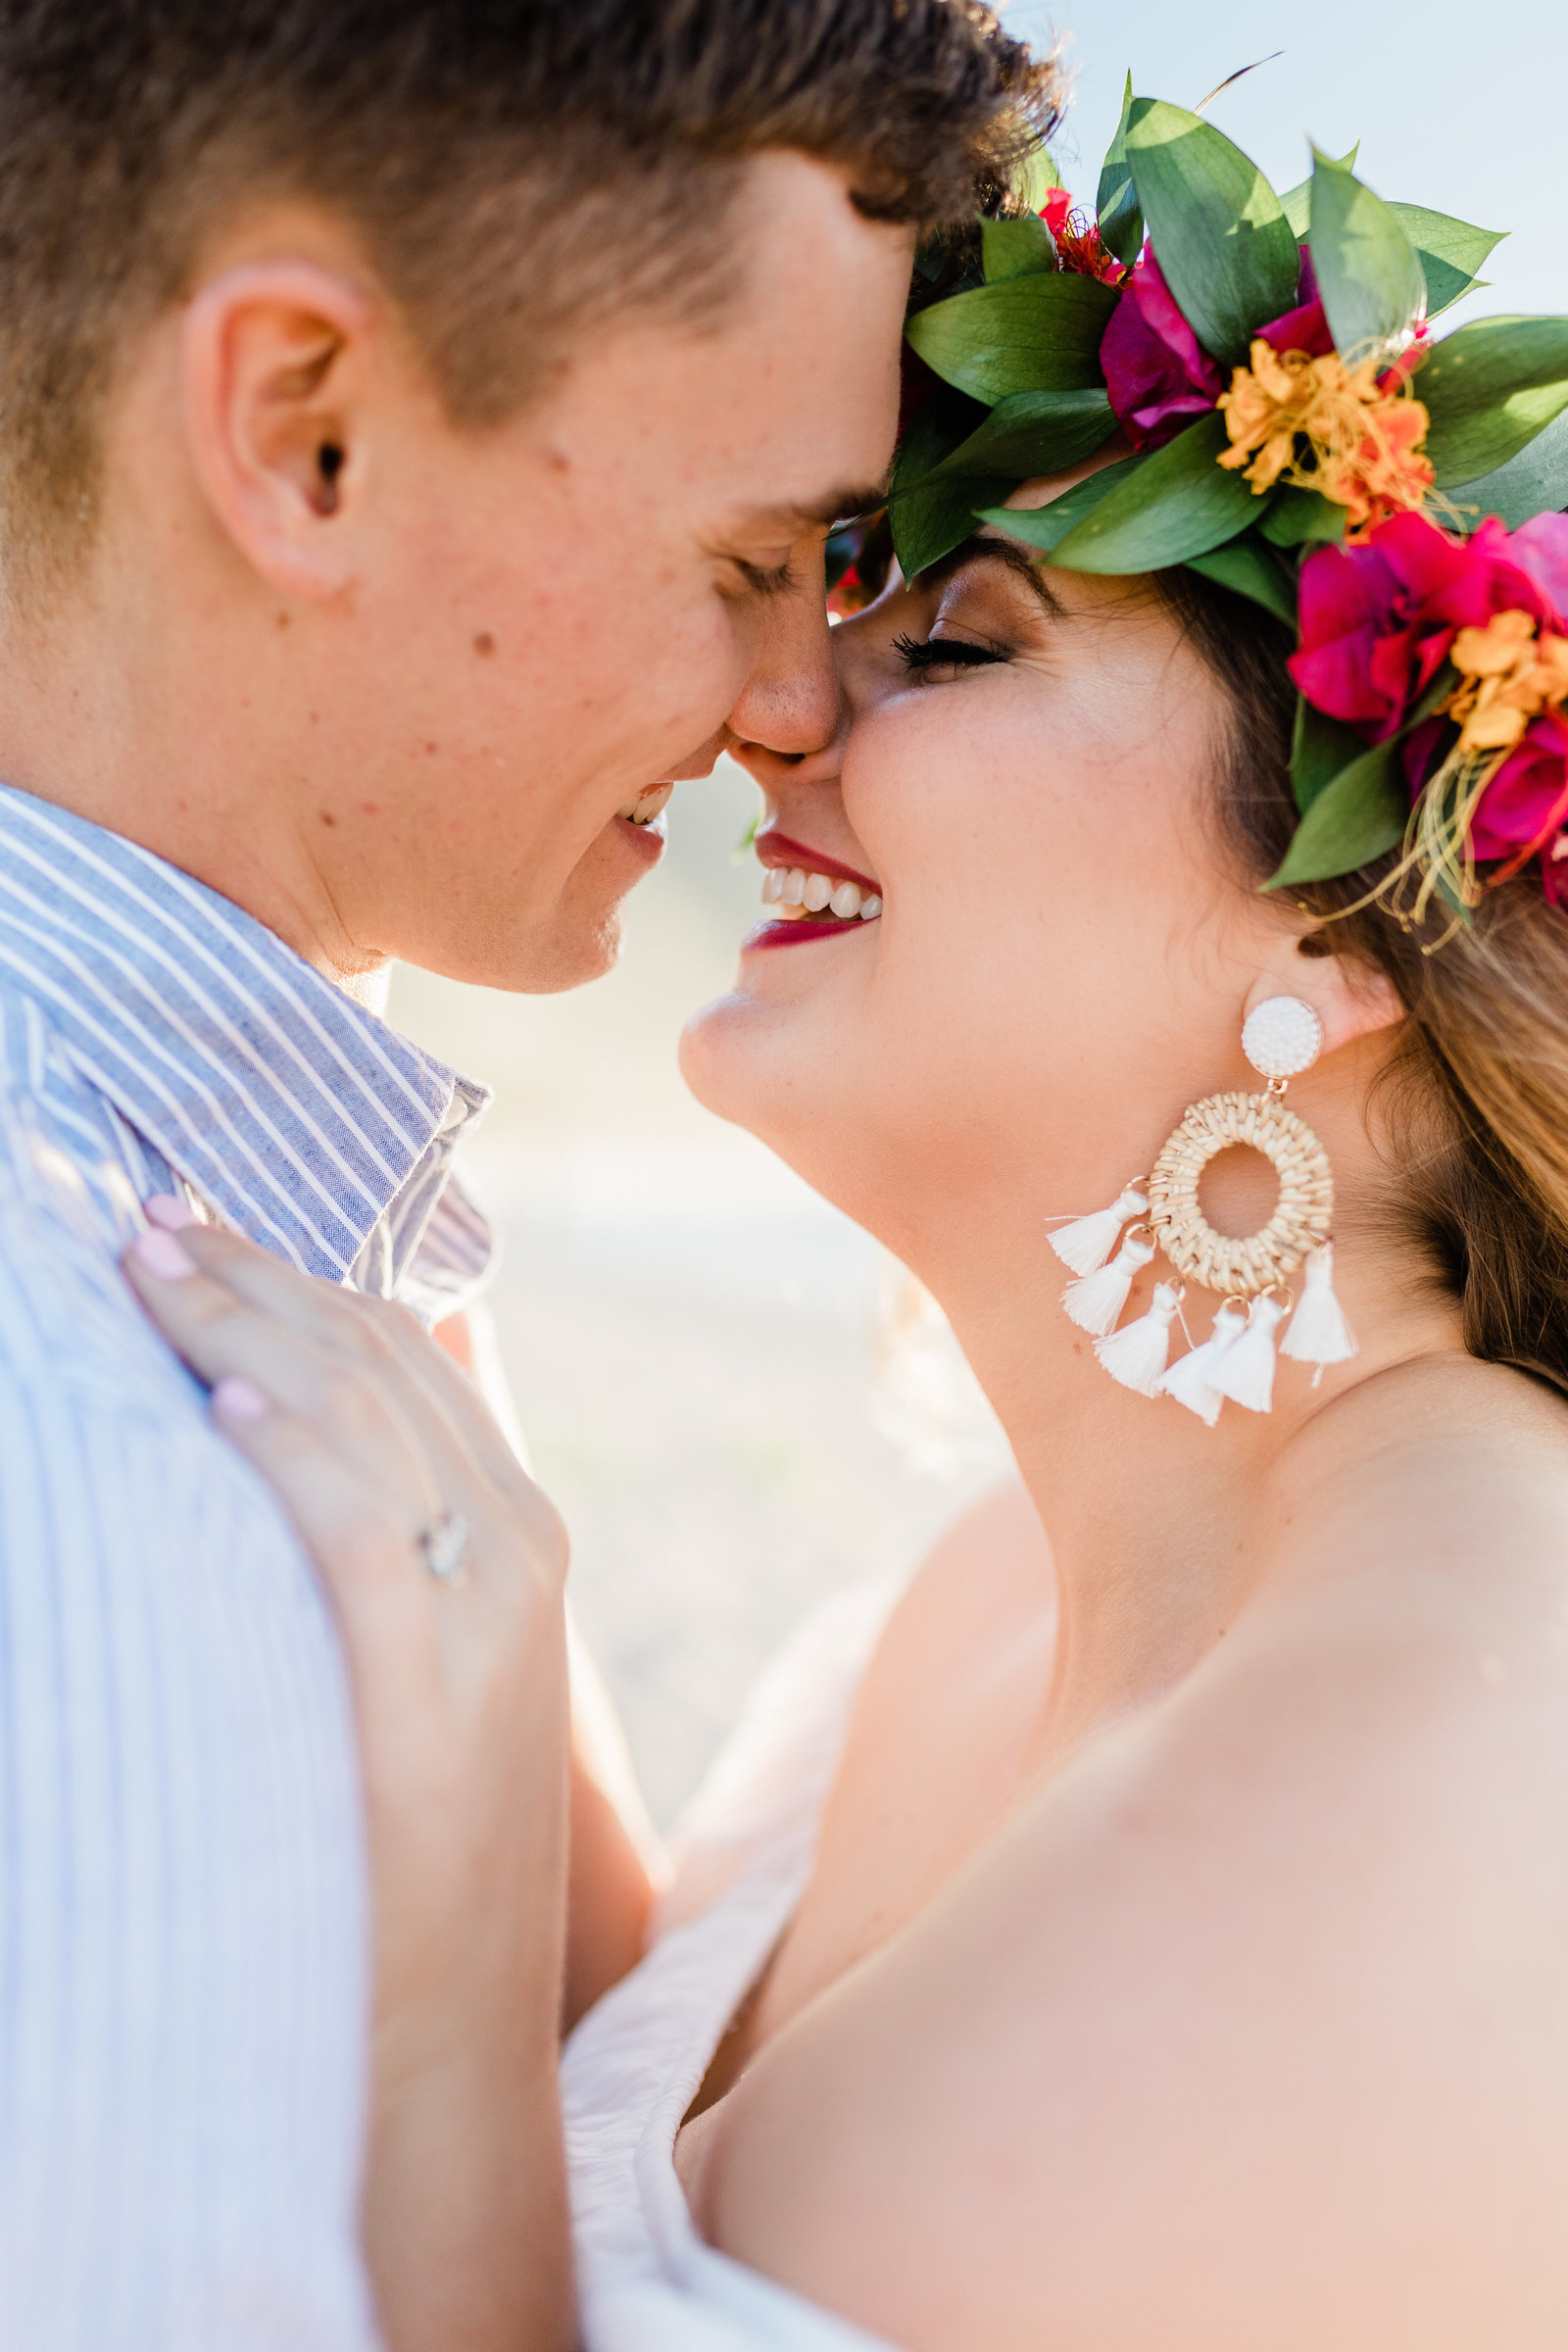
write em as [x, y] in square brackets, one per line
[1297, 437]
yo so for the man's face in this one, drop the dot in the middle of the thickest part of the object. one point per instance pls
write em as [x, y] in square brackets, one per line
[563, 613]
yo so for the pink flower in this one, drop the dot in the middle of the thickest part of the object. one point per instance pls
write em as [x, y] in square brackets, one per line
[1155, 375]
[1377, 619]
[1306, 327]
[1526, 803]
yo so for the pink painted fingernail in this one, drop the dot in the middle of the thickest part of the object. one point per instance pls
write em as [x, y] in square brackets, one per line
[163, 1256]
[236, 1399]
[170, 1212]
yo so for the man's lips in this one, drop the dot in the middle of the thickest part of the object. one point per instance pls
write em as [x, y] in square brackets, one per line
[777, 849]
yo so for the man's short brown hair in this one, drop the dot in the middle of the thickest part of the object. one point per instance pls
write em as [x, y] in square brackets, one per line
[514, 169]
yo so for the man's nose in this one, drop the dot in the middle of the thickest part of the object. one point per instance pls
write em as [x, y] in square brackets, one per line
[787, 717]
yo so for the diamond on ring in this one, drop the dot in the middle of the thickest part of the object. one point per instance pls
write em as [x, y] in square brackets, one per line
[444, 1547]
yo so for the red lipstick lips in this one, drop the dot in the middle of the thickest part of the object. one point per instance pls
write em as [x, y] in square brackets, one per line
[813, 872]
[777, 849]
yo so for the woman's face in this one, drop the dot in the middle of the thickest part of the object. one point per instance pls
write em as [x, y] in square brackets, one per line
[1024, 772]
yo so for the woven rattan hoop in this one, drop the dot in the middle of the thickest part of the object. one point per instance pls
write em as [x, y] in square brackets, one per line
[1302, 1214]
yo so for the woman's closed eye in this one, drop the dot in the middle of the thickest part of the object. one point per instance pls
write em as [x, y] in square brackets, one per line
[924, 656]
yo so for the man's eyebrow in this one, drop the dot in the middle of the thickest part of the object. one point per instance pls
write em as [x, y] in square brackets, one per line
[836, 506]
[1019, 559]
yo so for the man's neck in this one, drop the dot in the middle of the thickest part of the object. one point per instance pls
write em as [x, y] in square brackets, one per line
[133, 730]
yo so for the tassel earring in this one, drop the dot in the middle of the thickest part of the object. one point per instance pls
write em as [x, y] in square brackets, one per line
[1086, 1242]
[1190, 1379]
[1280, 1037]
[1095, 1302]
[1245, 1373]
[1318, 1332]
[1136, 1356]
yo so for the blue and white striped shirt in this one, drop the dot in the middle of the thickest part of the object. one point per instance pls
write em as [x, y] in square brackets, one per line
[182, 1951]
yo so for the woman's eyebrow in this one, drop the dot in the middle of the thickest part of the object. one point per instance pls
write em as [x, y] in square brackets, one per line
[1018, 561]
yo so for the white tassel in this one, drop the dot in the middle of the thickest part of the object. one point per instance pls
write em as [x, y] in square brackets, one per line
[1189, 1377]
[1317, 1333]
[1136, 1356]
[1095, 1303]
[1087, 1243]
[1245, 1373]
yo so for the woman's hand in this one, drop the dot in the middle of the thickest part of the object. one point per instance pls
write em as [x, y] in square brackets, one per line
[444, 1563]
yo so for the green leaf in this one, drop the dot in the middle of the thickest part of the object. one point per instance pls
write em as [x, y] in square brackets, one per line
[1298, 517]
[1535, 482]
[1490, 388]
[1450, 252]
[1037, 179]
[1296, 203]
[1371, 283]
[928, 519]
[1320, 747]
[1356, 817]
[1179, 504]
[1016, 249]
[1248, 568]
[1042, 527]
[1034, 432]
[1120, 215]
[931, 521]
[1228, 253]
[1028, 334]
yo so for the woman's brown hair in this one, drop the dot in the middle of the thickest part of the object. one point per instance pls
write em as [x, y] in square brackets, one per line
[1477, 1099]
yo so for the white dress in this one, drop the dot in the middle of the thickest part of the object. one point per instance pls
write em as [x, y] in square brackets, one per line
[647, 2281]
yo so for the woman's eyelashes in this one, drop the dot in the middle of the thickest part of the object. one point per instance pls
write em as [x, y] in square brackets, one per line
[926, 655]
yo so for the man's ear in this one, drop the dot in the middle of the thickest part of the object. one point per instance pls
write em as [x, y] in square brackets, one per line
[1350, 999]
[274, 354]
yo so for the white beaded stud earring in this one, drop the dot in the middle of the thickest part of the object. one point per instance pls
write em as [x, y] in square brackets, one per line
[1281, 1036]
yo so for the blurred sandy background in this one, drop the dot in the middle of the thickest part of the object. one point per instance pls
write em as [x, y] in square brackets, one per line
[688, 1331]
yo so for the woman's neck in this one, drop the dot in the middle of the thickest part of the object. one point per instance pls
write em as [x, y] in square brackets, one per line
[1158, 1526]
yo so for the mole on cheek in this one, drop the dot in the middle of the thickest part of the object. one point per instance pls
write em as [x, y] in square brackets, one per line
[327, 818]
[484, 644]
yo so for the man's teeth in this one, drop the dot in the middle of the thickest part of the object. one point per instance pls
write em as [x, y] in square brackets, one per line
[795, 892]
[647, 805]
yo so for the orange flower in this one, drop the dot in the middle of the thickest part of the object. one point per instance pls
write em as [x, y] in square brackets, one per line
[1508, 676]
[1362, 435]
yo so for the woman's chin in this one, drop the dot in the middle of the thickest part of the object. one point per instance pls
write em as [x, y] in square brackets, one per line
[754, 1062]
[722, 1049]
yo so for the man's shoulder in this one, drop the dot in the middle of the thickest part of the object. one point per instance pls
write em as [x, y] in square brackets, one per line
[69, 1324]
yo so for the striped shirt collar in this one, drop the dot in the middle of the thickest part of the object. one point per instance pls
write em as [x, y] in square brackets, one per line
[296, 1113]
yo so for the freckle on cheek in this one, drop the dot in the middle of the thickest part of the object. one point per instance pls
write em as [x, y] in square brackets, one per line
[484, 644]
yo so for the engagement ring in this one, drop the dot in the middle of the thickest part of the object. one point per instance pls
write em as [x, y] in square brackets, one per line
[444, 1547]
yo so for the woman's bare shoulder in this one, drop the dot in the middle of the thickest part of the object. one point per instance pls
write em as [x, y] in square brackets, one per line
[1251, 2030]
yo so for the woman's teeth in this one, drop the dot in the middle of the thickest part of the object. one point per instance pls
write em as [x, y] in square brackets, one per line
[795, 892]
[647, 805]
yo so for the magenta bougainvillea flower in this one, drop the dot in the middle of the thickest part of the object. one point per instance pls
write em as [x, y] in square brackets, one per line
[1526, 803]
[1306, 327]
[1157, 376]
[1379, 620]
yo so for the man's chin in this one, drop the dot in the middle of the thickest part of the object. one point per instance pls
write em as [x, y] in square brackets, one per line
[577, 954]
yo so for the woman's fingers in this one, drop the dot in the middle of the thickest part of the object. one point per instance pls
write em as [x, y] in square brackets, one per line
[221, 1335]
[364, 1542]
[358, 1381]
[373, 1333]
